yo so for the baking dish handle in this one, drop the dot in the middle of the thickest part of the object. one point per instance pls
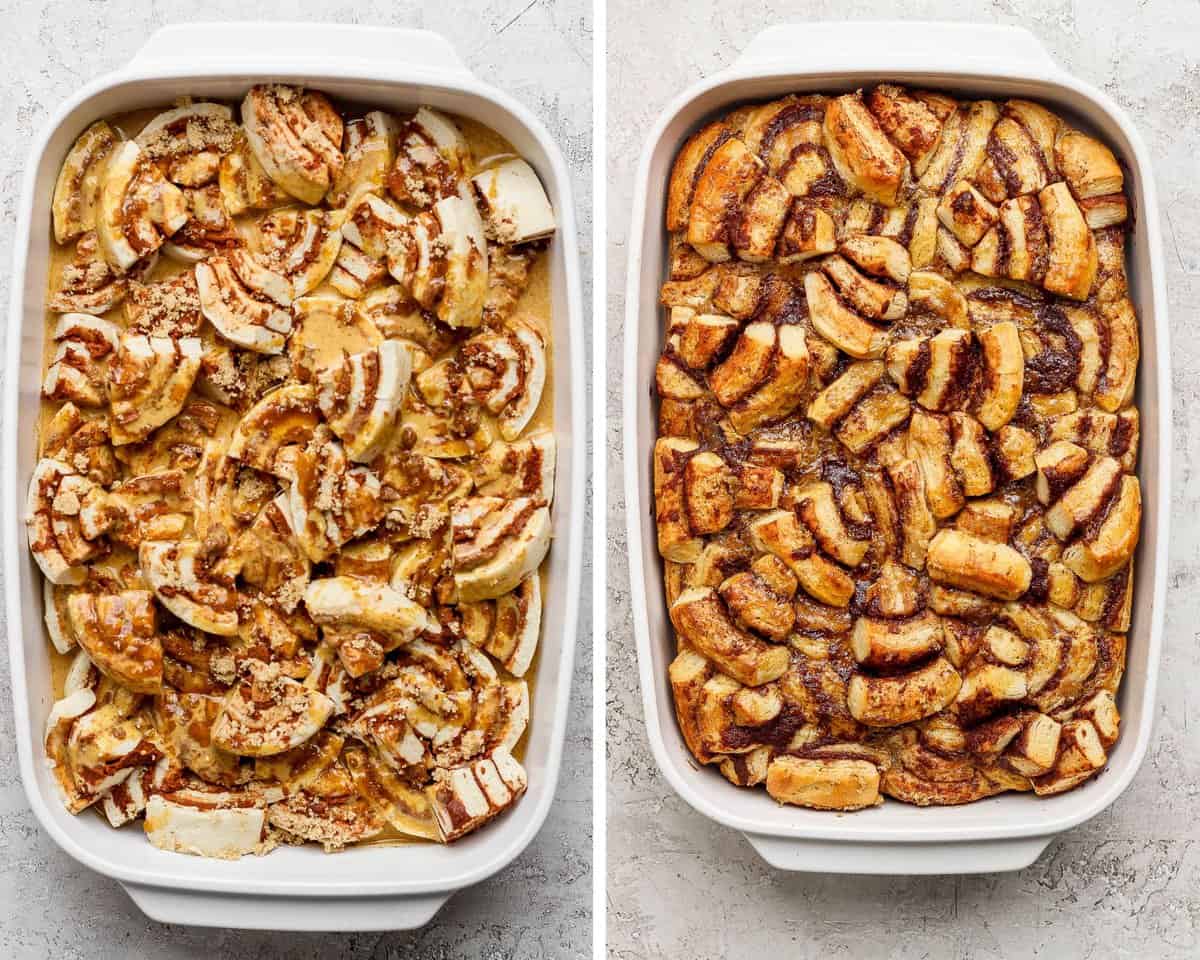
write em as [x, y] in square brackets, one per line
[311, 914]
[961, 47]
[892, 859]
[258, 45]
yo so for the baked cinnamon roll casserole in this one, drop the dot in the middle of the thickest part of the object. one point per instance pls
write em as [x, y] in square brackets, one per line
[894, 480]
[296, 472]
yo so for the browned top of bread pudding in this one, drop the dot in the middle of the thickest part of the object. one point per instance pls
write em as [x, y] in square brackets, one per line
[894, 481]
[296, 472]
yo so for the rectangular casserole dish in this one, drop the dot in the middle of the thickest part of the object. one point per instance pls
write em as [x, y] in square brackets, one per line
[297, 888]
[1001, 833]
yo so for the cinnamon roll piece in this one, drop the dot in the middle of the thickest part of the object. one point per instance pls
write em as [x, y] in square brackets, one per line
[296, 135]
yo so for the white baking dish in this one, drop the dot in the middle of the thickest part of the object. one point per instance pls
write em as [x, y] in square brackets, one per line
[1002, 833]
[364, 888]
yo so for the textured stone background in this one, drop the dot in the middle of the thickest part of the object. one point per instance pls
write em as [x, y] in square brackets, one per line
[1128, 883]
[540, 906]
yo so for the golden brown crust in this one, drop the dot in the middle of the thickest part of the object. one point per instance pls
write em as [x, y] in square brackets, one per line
[897, 444]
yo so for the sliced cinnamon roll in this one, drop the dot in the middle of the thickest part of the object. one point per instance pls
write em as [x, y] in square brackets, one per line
[497, 544]
[689, 163]
[149, 381]
[119, 633]
[778, 131]
[473, 794]
[971, 455]
[296, 135]
[779, 389]
[912, 125]
[441, 261]
[508, 627]
[871, 419]
[284, 417]
[937, 370]
[840, 324]
[820, 513]
[403, 805]
[299, 245]
[1072, 260]
[1080, 493]
[863, 155]
[1118, 376]
[808, 232]
[361, 399]
[180, 574]
[266, 713]
[1099, 555]
[88, 284]
[676, 541]
[962, 146]
[138, 209]
[929, 444]
[1088, 166]
[153, 506]
[77, 190]
[523, 468]
[346, 607]
[1102, 433]
[910, 504]
[397, 316]
[82, 443]
[93, 750]
[189, 142]
[224, 826]
[781, 533]
[77, 371]
[244, 183]
[892, 700]
[703, 620]
[330, 502]
[56, 494]
[966, 213]
[1043, 239]
[373, 231]
[431, 155]
[209, 230]
[1080, 756]
[721, 187]
[268, 555]
[369, 149]
[516, 208]
[1020, 152]
[837, 399]
[506, 371]
[1003, 375]
[824, 784]
[245, 301]
[963, 560]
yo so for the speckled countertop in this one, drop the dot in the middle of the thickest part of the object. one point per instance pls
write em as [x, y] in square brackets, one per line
[1127, 884]
[540, 906]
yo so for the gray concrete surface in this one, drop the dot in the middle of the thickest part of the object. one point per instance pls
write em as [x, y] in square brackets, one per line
[540, 907]
[1126, 884]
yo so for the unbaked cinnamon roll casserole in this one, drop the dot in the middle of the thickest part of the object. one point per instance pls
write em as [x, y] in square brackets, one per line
[894, 481]
[296, 472]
